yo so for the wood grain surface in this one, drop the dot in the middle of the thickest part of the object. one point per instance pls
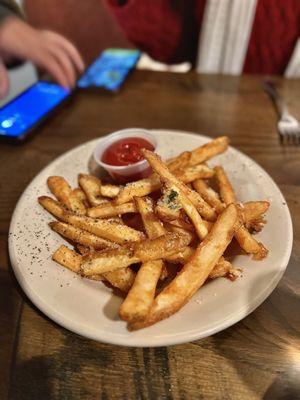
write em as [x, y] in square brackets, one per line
[258, 358]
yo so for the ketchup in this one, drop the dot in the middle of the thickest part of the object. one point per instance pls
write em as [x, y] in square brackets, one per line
[126, 151]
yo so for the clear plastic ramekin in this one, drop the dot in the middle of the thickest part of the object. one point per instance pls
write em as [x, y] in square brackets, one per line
[125, 173]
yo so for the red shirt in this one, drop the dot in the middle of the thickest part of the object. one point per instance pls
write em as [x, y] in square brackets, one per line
[168, 30]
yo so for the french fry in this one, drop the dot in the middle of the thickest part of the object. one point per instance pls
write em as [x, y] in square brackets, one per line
[177, 189]
[242, 235]
[110, 210]
[121, 279]
[179, 162]
[137, 304]
[224, 268]
[108, 261]
[190, 210]
[166, 213]
[182, 257]
[200, 154]
[196, 271]
[68, 258]
[209, 150]
[140, 188]
[192, 173]
[104, 228]
[181, 231]
[153, 226]
[254, 210]
[92, 189]
[225, 187]
[82, 237]
[183, 225]
[166, 176]
[108, 190]
[82, 249]
[64, 193]
[81, 197]
[146, 186]
[209, 195]
[146, 250]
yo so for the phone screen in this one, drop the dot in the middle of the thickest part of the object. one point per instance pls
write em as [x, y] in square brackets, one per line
[110, 69]
[23, 112]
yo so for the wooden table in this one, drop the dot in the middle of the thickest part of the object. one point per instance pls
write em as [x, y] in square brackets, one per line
[258, 357]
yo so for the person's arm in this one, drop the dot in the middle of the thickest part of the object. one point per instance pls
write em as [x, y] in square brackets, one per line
[48, 50]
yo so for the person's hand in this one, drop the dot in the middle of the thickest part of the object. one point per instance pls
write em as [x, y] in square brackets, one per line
[46, 49]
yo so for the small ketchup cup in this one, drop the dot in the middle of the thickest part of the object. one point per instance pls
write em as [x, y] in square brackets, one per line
[125, 173]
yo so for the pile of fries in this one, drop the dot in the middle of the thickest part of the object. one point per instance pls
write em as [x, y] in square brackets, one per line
[180, 244]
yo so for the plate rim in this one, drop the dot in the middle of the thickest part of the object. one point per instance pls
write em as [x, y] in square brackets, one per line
[114, 339]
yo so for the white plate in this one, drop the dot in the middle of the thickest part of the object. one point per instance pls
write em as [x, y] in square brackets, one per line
[89, 308]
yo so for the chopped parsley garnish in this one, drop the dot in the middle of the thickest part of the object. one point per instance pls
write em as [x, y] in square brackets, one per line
[172, 196]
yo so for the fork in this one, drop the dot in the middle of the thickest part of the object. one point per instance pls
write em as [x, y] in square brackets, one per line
[288, 126]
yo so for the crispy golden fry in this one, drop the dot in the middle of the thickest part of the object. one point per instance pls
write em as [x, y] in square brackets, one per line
[209, 195]
[182, 257]
[179, 162]
[243, 236]
[196, 271]
[177, 190]
[209, 150]
[122, 279]
[64, 193]
[137, 304]
[81, 197]
[224, 268]
[253, 210]
[140, 297]
[226, 189]
[182, 224]
[205, 210]
[110, 210]
[146, 186]
[192, 173]
[161, 247]
[250, 245]
[153, 226]
[92, 189]
[191, 211]
[109, 190]
[140, 188]
[166, 176]
[82, 249]
[67, 258]
[146, 250]
[80, 236]
[166, 213]
[104, 228]
[199, 155]
[181, 231]
[107, 261]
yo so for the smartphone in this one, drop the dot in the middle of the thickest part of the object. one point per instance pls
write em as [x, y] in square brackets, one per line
[20, 116]
[110, 69]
